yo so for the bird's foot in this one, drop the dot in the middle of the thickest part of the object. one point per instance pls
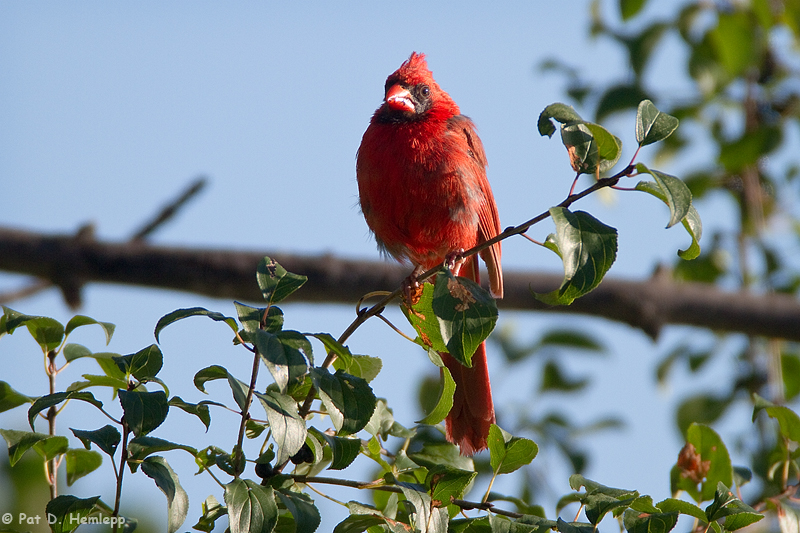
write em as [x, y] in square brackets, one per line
[412, 288]
[454, 260]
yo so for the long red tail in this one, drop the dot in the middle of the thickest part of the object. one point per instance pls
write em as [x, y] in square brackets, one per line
[473, 411]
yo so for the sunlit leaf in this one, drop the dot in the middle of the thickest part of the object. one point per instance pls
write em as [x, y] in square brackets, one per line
[587, 248]
[652, 125]
[563, 113]
[275, 282]
[466, 313]
[508, 453]
[144, 411]
[349, 400]
[445, 401]
[288, 428]
[251, 507]
[167, 481]
[81, 320]
[81, 462]
[9, 398]
[180, 314]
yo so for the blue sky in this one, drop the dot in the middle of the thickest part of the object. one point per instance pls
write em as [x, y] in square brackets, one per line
[107, 110]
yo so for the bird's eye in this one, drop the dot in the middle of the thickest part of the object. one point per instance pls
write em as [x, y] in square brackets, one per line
[425, 91]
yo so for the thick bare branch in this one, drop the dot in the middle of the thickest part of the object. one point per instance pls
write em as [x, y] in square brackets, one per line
[72, 261]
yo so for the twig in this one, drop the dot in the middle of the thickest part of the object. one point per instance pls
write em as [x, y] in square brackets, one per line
[170, 210]
[238, 457]
[484, 506]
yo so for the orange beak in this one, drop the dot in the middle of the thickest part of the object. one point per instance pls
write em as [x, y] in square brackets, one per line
[398, 97]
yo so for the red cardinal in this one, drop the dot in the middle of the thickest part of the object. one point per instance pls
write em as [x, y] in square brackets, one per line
[422, 184]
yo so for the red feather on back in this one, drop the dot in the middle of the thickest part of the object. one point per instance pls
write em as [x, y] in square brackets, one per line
[422, 184]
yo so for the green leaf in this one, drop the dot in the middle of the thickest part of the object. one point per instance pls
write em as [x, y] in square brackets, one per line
[445, 402]
[275, 282]
[582, 148]
[587, 248]
[619, 98]
[554, 379]
[143, 365]
[737, 514]
[676, 195]
[282, 353]
[703, 408]
[382, 420]
[788, 421]
[106, 438]
[200, 410]
[81, 462]
[11, 320]
[638, 522]
[251, 507]
[423, 319]
[361, 519]
[441, 453]
[563, 113]
[576, 481]
[694, 226]
[424, 518]
[466, 313]
[180, 314]
[81, 320]
[674, 505]
[669, 190]
[45, 402]
[288, 428]
[344, 450]
[47, 332]
[348, 400]
[167, 481]
[508, 453]
[20, 442]
[365, 367]
[447, 482]
[734, 41]
[750, 148]
[215, 372]
[609, 147]
[74, 351]
[251, 318]
[630, 8]
[144, 411]
[790, 370]
[98, 381]
[575, 527]
[213, 455]
[212, 510]
[598, 504]
[301, 506]
[652, 125]
[141, 447]
[362, 366]
[713, 456]
[106, 362]
[641, 46]
[68, 512]
[9, 398]
[568, 338]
